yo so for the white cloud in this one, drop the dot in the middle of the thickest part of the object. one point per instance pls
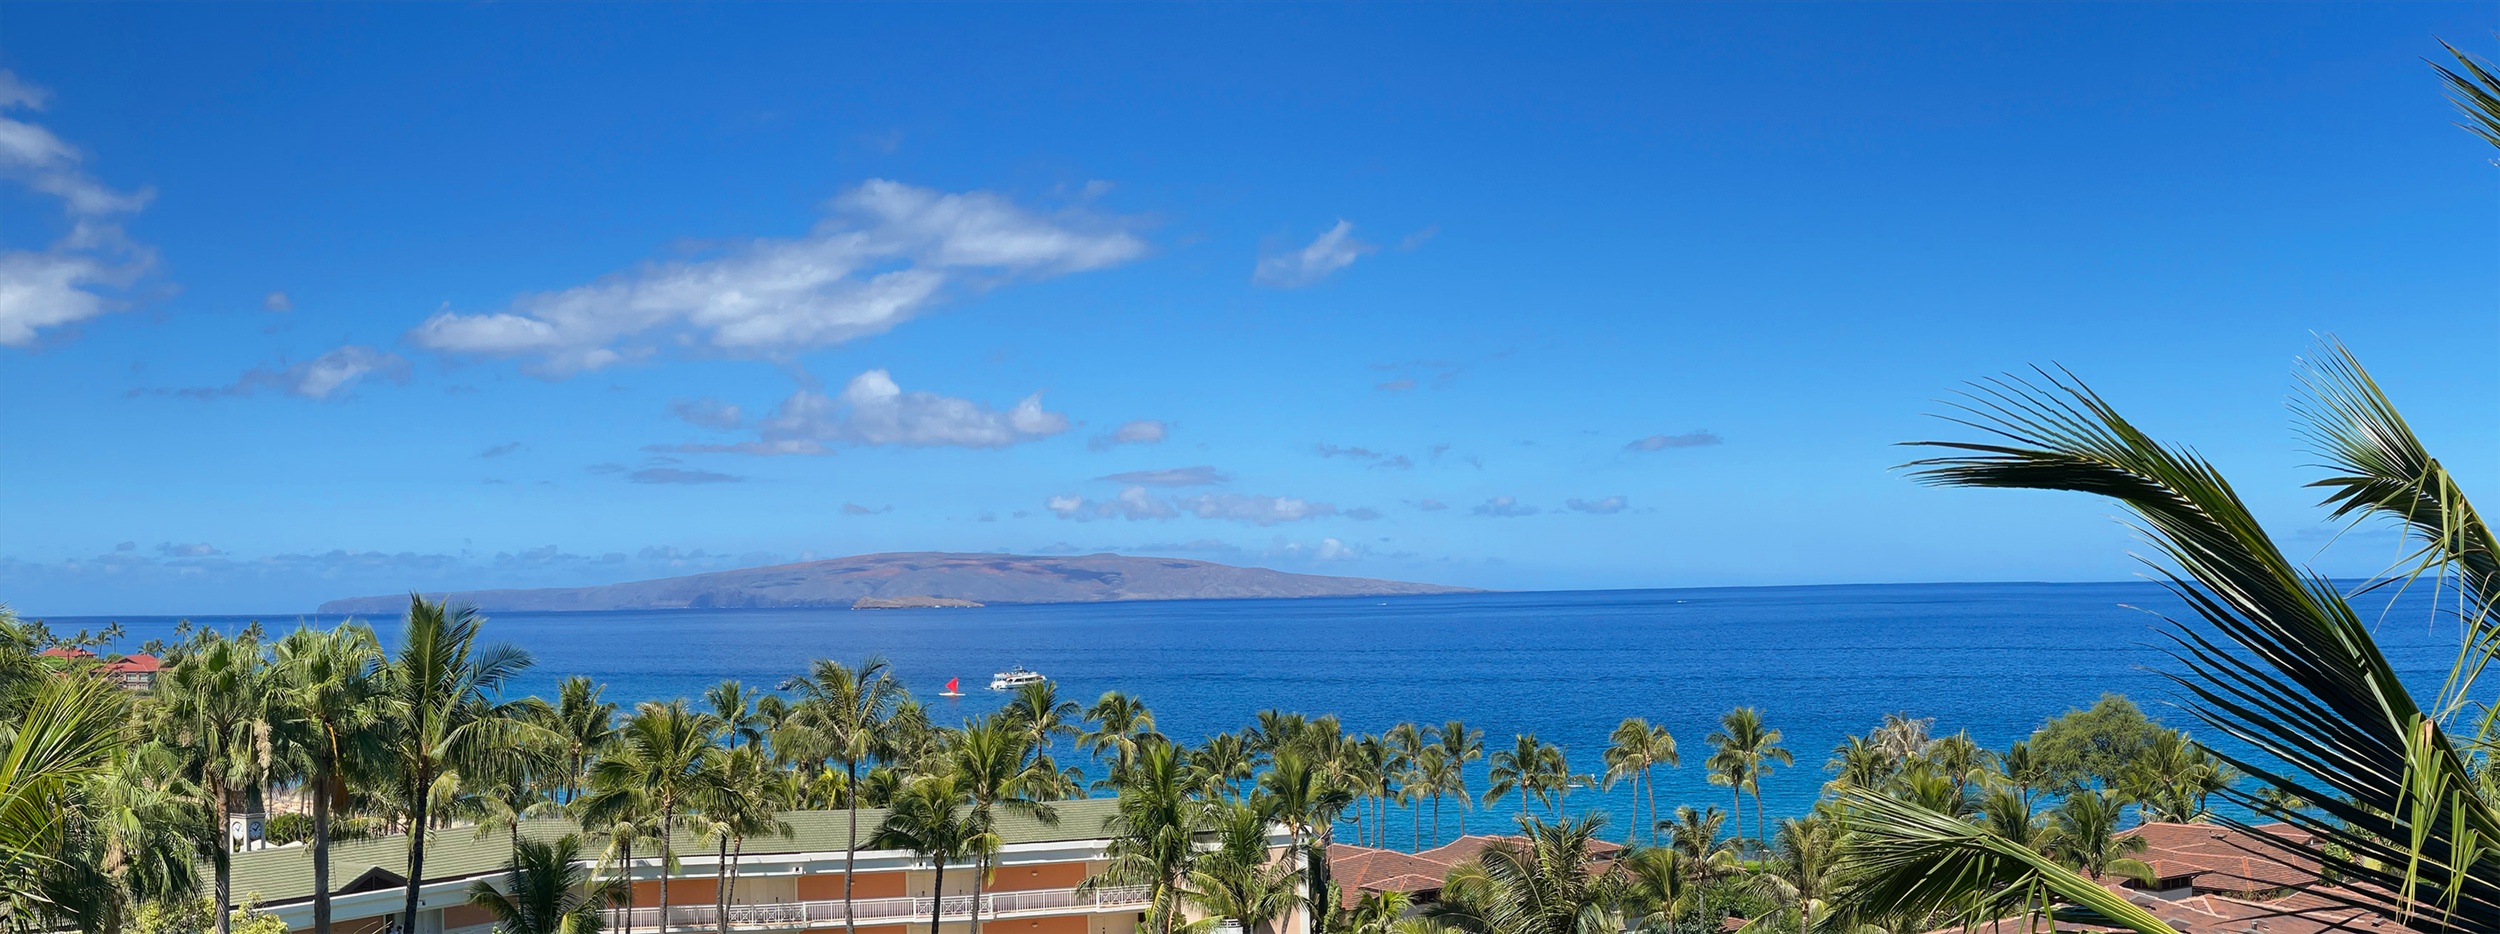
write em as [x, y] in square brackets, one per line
[1203, 475]
[873, 410]
[318, 378]
[1135, 503]
[884, 253]
[1334, 250]
[59, 285]
[1603, 507]
[707, 412]
[1142, 431]
[277, 301]
[1692, 439]
[1503, 507]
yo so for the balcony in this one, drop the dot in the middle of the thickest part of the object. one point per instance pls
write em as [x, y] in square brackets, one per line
[793, 916]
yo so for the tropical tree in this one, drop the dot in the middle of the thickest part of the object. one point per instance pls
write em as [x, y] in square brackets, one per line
[1121, 724]
[1701, 850]
[850, 710]
[1551, 885]
[1037, 710]
[2173, 778]
[933, 819]
[2083, 834]
[1459, 745]
[546, 890]
[996, 767]
[329, 686]
[439, 693]
[1217, 768]
[1634, 751]
[1302, 798]
[1519, 769]
[734, 706]
[1800, 872]
[64, 741]
[739, 802]
[1237, 879]
[663, 765]
[583, 725]
[1743, 752]
[216, 708]
[1154, 833]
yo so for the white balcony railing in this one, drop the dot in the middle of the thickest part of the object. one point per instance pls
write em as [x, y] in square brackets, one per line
[791, 916]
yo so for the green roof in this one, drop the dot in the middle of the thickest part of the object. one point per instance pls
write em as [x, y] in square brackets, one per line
[284, 874]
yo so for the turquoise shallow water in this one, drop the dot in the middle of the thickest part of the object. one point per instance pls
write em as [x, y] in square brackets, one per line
[1821, 662]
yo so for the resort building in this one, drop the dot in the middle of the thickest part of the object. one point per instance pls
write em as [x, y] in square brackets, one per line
[784, 884]
[2211, 879]
[130, 672]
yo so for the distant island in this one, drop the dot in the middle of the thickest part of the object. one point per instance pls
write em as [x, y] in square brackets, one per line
[925, 575]
[909, 603]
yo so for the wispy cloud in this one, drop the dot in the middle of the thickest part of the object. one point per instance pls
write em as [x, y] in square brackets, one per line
[1431, 505]
[1503, 507]
[69, 281]
[874, 410]
[278, 302]
[884, 253]
[500, 450]
[1137, 503]
[1171, 476]
[680, 475]
[855, 509]
[1141, 431]
[1378, 460]
[322, 377]
[1690, 439]
[1335, 249]
[1603, 507]
[707, 412]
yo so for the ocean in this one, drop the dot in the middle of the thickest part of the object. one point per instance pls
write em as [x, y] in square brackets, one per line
[1821, 663]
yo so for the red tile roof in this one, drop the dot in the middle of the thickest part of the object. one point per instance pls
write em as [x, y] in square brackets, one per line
[65, 652]
[1361, 869]
[2216, 859]
[134, 663]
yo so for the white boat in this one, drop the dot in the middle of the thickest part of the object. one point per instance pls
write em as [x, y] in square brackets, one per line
[1014, 678]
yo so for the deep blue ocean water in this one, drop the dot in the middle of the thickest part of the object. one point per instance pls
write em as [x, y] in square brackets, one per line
[1821, 662]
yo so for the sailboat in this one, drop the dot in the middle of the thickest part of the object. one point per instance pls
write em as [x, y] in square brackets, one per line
[950, 688]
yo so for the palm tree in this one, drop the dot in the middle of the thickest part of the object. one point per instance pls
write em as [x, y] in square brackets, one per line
[583, 726]
[1549, 777]
[1217, 768]
[2172, 778]
[1801, 871]
[1403, 766]
[933, 819]
[65, 737]
[217, 710]
[1154, 833]
[1701, 850]
[664, 764]
[739, 803]
[2276, 655]
[546, 891]
[734, 706]
[2083, 834]
[1743, 751]
[1121, 724]
[507, 802]
[438, 692]
[1044, 718]
[848, 709]
[1634, 752]
[1302, 798]
[995, 766]
[1237, 879]
[1514, 770]
[1438, 774]
[330, 685]
[1460, 746]
[1552, 885]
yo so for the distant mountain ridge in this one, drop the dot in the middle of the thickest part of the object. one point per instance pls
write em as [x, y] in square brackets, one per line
[982, 578]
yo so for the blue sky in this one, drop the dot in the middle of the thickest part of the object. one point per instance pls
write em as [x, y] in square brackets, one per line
[300, 302]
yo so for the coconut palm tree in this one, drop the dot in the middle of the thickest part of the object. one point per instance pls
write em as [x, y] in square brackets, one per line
[2171, 779]
[933, 819]
[1120, 725]
[664, 764]
[1237, 879]
[740, 802]
[63, 741]
[1301, 797]
[1460, 745]
[2083, 834]
[850, 710]
[1743, 752]
[1217, 768]
[1800, 872]
[1702, 851]
[330, 688]
[439, 693]
[1439, 775]
[217, 708]
[1515, 770]
[2274, 655]
[583, 726]
[734, 706]
[1634, 752]
[1551, 885]
[1037, 710]
[1154, 833]
[546, 890]
[996, 767]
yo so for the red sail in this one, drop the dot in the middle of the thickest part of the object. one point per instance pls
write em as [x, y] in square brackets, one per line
[950, 683]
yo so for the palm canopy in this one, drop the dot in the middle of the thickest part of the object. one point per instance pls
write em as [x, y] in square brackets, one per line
[546, 889]
[2273, 654]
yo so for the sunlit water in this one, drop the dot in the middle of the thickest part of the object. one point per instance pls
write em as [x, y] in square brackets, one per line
[1820, 662]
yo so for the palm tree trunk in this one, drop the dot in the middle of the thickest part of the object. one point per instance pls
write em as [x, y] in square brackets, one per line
[1653, 807]
[628, 870]
[737, 859]
[1761, 829]
[421, 786]
[720, 889]
[222, 857]
[980, 874]
[1436, 819]
[668, 852]
[850, 856]
[937, 893]
[321, 844]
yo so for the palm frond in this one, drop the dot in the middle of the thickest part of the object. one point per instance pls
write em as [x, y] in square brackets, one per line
[1909, 861]
[2476, 93]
